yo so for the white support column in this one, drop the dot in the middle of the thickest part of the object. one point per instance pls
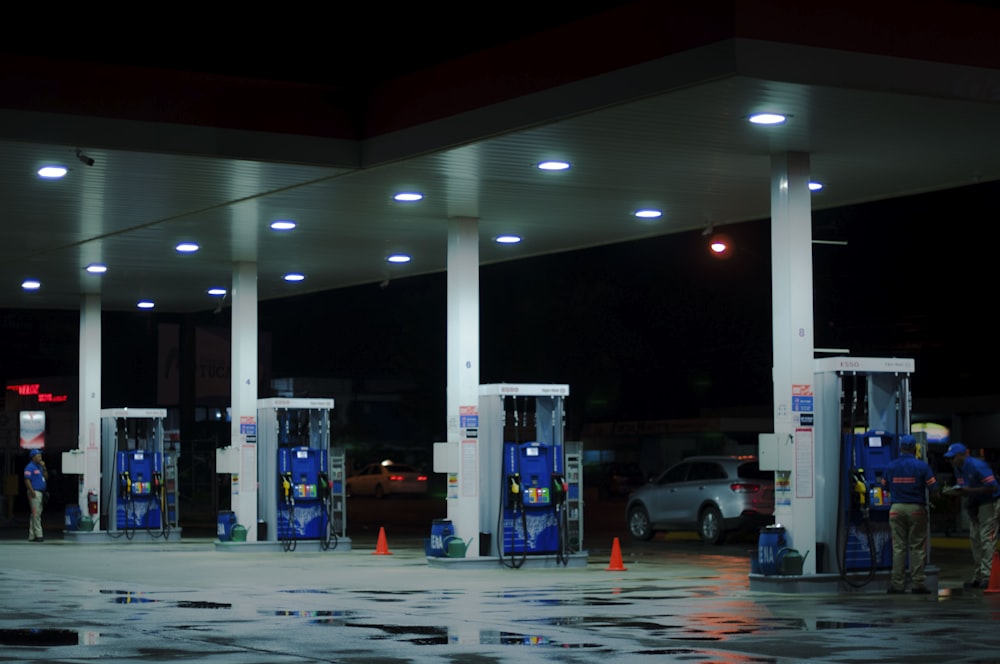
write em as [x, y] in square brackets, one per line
[792, 303]
[244, 393]
[90, 398]
[463, 380]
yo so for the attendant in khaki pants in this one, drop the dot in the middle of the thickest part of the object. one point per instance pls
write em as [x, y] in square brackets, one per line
[974, 479]
[36, 477]
[908, 480]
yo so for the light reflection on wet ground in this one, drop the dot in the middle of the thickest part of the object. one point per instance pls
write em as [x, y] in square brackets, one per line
[197, 604]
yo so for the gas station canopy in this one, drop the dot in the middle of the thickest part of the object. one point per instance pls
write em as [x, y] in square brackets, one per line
[648, 103]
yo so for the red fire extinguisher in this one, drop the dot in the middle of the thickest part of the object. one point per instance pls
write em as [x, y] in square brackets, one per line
[92, 502]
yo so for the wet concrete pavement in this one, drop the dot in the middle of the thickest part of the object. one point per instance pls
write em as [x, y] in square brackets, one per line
[677, 600]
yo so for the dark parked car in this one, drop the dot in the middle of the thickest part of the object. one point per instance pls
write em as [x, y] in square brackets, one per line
[713, 495]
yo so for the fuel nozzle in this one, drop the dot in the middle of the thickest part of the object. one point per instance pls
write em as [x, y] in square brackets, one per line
[559, 488]
[286, 485]
[860, 489]
[514, 484]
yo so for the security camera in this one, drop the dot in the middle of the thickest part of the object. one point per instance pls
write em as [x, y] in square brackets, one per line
[84, 158]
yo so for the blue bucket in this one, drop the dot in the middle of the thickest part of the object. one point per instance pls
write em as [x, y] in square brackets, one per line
[72, 517]
[227, 520]
[772, 540]
[441, 530]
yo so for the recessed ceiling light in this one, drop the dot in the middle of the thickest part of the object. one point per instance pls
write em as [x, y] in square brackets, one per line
[767, 118]
[145, 304]
[187, 247]
[31, 284]
[508, 239]
[52, 172]
[648, 213]
[294, 276]
[553, 165]
[97, 268]
[216, 291]
[399, 258]
[815, 186]
[282, 225]
[408, 196]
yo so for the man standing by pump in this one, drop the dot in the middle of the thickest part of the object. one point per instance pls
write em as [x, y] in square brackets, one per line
[974, 479]
[908, 480]
[36, 477]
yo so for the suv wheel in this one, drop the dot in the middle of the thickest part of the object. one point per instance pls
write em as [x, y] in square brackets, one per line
[710, 526]
[638, 523]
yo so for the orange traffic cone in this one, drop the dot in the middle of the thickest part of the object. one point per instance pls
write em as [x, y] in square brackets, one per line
[994, 586]
[616, 558]
[382, 547]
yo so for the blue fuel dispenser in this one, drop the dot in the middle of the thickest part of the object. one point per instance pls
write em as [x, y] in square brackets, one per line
[304, 490]
[867, 542]
[534, 503]
[140, 490]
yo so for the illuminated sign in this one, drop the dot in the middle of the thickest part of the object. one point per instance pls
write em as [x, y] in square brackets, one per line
[33, 389]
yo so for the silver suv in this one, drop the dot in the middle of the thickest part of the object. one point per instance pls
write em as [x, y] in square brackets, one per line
[715, 495]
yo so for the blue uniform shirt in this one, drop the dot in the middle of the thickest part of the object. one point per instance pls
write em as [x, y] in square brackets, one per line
[975, 473]
[908, 479]
[34, 473]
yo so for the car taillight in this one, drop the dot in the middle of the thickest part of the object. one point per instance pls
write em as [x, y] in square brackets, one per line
[421, 478]
[744, 487]
[396, 478]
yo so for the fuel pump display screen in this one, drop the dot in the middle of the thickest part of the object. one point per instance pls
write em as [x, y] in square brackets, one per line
[875, 441]
[531, 451]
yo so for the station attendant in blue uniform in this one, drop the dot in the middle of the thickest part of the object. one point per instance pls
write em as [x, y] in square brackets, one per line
[974, 479]
[36, 477]
[908, 480]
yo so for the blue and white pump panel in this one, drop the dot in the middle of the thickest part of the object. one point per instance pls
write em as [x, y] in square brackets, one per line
[869, 541]
[530, 523]
[140, 477]
[302, 515]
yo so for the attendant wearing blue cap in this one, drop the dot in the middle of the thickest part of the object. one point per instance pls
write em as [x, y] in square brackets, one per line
[974, 479]
[36, 478]
[908, 480]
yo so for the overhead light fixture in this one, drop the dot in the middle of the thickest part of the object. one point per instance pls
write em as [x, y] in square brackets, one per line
[294, 276]
[553, 165]
[53, 172]
[767, 118]
[96, 268]
[187, 247]
[815, 186]
[215, 292]
[408, 196]
[507, 239]
[648, 213]
[31, 284]
[145, 304]
[399, 258]
[282, 225]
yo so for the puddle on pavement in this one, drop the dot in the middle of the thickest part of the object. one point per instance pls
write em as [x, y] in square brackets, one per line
[129, 597]
[427, 635]
[45, 638]
[203, 605]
